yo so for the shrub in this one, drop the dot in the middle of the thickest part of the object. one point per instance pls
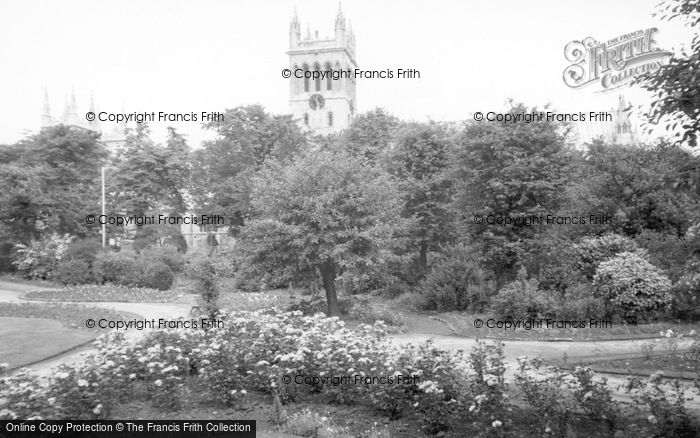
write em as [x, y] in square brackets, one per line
[118, 268]
[522, 299]
[665, 401]
[580, 303]
[592, 251]
[556, 395]
[203, 272]
[667, 251]
[685, 303]
[40, 257]
[156, 275]
[632, 286]
[167, 254]
[455, 283]
[6, 252]
[72, 271]
[84, 249]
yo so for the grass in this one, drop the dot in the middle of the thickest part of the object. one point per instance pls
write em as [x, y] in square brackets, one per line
[680, 363]
[462, 324]
[21, 284]
[45, 336]
[70, 315]
[103, 293]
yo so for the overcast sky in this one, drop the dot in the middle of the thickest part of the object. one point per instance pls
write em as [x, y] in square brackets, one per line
[183, 56]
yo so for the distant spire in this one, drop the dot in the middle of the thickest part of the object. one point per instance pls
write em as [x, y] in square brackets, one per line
[94, 124]
[46, 119]
[295, 18]
[71, 116]
[339, 19]
[308, 31]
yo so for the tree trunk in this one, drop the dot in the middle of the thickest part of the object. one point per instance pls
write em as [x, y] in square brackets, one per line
[327, 270]
[424, 256]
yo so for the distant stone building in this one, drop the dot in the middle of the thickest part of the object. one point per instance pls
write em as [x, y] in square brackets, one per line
[622, 129]
[112, 137]
[325, 105]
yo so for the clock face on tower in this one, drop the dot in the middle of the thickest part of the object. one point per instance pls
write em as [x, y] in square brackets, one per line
[316, 102]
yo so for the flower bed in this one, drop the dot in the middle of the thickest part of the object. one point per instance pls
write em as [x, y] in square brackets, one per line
[102, 293]
[290, 357]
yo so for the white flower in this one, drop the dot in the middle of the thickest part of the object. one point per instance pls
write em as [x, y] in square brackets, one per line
[243, 391]
[82, 382]
[548, 430]
[471, 408]
[651, 419]
[158, 382]
[62, 375]
[496, 424]
[50, 400]
[132, 376]
[587, 395]
[97, 409]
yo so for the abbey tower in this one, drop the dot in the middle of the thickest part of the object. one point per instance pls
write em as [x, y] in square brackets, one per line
[324, 105]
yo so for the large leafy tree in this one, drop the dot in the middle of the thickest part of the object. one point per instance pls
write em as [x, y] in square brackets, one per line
[653, 188]
[148, 176]
[676, 86]
[421, 158]
[51, 181]
[370, 133]
[223, 169]
[509, 170]
[326, 211]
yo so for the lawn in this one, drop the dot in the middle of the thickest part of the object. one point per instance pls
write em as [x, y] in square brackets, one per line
[103, 293]
[27, 340]
[35, 331]
[463, 324]
[680, 364]
[70, 315]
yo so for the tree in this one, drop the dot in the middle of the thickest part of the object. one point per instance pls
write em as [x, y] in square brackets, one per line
[325, 211]
[676, 85]
[641, 187]
[51, 180]
[148, 176]
[370, 133]
[224, 168]
[421, 159]
[509, 170]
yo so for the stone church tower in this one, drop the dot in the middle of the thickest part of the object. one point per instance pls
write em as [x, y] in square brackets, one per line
[322, 106]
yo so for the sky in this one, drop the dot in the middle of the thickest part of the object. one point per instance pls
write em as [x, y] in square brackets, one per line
[209, 55]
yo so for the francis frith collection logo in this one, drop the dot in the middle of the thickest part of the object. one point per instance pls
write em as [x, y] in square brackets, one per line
[613, 63]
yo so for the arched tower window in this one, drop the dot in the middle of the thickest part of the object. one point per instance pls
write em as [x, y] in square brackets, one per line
[330, 118]
[318, 77]
[306, 78]
[306, 119]
[340, 81]
[296, 82]
[329, 80]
